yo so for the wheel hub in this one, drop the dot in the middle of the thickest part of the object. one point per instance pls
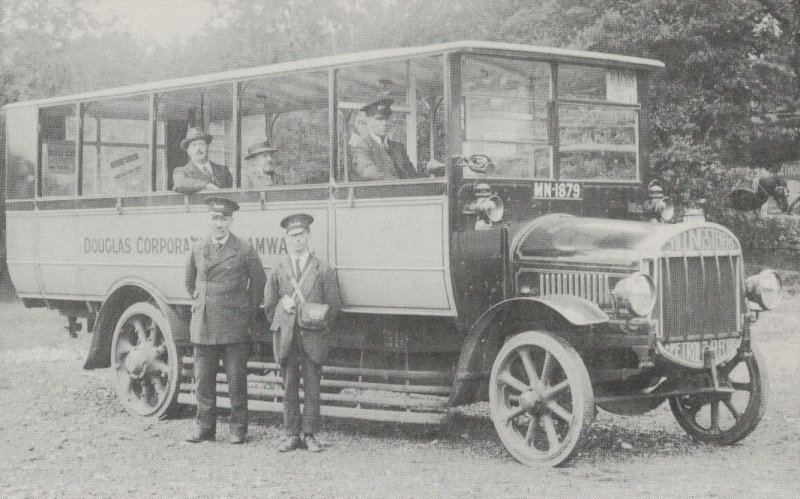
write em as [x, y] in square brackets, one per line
[138, 360]
[530, 400]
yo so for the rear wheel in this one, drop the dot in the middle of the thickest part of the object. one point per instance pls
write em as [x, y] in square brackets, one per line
[726, 418]
[145, 362]
[540, 398]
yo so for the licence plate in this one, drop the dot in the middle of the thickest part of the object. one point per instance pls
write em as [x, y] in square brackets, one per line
[557, 190]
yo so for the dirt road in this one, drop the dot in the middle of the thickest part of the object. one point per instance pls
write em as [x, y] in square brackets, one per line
[62, 433]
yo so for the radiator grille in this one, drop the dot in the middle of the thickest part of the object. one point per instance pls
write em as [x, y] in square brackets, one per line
[593, 286]
[699, 296]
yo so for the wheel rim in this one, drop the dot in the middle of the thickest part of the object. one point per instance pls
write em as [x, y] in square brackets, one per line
[144, 361]
[726, 418]
[540, 398]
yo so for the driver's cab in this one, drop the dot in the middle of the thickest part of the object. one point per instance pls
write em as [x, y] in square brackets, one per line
[389, 230]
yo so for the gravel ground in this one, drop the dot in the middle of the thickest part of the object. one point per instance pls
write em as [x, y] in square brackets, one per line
[62, 433]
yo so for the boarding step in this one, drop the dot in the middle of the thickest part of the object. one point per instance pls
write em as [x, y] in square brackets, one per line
[428, 418]
[396, 400]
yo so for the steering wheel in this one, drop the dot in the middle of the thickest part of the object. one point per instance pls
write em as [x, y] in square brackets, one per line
[480, 163]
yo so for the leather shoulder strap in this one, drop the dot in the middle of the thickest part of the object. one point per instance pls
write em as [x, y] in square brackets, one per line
[298, 285]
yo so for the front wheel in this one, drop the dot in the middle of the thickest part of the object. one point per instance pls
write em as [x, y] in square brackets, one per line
[726, 418]
[145, 362]
[540, 398]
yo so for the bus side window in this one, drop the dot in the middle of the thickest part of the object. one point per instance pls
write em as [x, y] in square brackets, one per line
[210, 108]
[116, 146]
[285, 117]
[21, 131]
[58, 130]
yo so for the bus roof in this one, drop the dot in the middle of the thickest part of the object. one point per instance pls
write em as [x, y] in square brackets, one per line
[466, 46]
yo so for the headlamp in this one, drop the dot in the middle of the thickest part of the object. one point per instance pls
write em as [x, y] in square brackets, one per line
[636, 293]
[659, 206]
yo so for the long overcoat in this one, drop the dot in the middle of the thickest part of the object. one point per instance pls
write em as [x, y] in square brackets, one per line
[319, 286]
[227, 286]
[189, 178]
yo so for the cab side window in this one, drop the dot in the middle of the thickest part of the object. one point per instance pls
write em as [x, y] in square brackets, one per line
[116, 146]
[286, 118]
[58, 130]
[390, 119]
[505, 114]
[209, 108]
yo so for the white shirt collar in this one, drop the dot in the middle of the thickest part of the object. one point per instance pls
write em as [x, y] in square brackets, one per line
[384, 141]
[223, 240]
[302, 257]
[203, 166]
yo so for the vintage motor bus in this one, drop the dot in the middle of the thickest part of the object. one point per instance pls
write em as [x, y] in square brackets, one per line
[525, 265]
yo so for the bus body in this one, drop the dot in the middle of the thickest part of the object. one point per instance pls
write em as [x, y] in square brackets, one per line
[518, 269]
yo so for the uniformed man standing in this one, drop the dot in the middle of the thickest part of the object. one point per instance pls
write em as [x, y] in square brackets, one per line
[297, 280]
[225, 277]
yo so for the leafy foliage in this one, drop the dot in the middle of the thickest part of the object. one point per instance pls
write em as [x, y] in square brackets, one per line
[726, 99]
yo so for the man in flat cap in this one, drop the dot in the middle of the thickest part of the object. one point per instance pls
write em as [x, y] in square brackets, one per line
[199, 173]
[260, 171]
[375, 156]
[300, 278]
[225, 277]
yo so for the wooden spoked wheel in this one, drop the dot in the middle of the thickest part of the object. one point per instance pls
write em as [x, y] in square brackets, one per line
[540, 398]
[145, 363]
[728, 417]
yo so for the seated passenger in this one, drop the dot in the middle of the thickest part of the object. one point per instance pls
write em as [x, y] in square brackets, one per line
[375, 156]
[260, 169]
[199, 173]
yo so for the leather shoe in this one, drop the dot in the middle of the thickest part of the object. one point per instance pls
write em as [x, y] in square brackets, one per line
[237, 438]
[198, 436]
[311, 443]
[290, 443]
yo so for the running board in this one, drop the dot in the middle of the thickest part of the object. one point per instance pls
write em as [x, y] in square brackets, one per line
[384, 415]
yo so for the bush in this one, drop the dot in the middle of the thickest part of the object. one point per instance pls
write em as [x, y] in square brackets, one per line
[697, 179]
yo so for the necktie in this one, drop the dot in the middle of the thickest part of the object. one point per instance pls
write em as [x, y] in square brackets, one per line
[297, 268]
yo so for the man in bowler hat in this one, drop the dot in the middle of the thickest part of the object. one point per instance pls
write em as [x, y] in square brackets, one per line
[300, 350]
[375, 156]
[199, 173]
[225, 278]
[260, 171]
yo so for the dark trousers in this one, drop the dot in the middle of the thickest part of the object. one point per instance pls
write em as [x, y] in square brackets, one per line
[206, 359]
[298, 363]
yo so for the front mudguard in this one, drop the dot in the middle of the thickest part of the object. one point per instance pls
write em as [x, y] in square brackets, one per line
[553, 313]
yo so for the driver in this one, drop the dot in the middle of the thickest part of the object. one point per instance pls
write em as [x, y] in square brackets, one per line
[375, 155]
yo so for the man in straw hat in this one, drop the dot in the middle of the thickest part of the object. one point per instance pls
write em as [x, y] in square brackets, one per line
[297, 280]
[225, 277]
[261, 168]
[199, 173]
